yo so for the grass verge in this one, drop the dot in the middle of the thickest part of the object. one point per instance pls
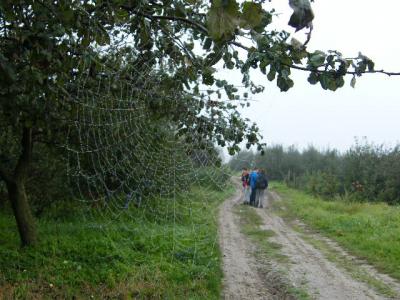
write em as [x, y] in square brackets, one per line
[368, 231]
[166, 249]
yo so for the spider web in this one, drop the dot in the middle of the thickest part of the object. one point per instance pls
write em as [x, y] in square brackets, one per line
[124, 164]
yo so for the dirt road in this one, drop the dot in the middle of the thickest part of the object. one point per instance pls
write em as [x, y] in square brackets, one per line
[308, 268]
[241, 277]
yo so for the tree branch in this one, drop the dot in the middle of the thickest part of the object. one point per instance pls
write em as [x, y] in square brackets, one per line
[347, 72]
[308, 35]
[174, 18]
[237, 44]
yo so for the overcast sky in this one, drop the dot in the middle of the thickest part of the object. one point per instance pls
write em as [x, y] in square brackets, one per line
[307, 114]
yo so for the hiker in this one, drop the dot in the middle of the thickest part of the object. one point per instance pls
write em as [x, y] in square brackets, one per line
[253, 180]
[245, 185]
[261, 186]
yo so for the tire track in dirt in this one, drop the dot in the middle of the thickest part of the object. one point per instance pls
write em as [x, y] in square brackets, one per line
[308, 268]
[241, 279]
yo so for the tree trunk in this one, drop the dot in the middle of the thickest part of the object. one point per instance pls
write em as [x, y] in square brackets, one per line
[17, 194]
[22, 213]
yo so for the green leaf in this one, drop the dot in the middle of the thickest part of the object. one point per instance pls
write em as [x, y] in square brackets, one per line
[302, 14]
[316, 59]
[340, 82]
[263, 64]
[271, 74]
[230, 65]
[223, 18]
[220, 83]
[265, 20]
[328, 82]
[285, 72]
[231, 151]
[353, 82]
[284, 83]
[252, 15]
[370, 65]
[213, 58]
[208, 77]
[313, 78]
[324, 81]
[207, 44]
[121, 15]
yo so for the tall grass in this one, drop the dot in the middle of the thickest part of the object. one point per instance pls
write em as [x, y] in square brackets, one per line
[167, 248]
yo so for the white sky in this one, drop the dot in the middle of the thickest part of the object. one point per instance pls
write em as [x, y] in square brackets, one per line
[308, 114]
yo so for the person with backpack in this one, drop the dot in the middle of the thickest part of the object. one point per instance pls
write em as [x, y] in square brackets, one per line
[261, 186]
[246, 186]
[253, 180]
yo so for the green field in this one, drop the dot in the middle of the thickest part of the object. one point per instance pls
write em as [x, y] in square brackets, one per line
[370, 231]
[165, 249]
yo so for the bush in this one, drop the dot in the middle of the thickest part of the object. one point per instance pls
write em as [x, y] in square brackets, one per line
[323, 184]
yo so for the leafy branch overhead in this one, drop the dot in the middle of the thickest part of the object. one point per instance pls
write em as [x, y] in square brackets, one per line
[63, 60]
[43, 44]
[230, 26]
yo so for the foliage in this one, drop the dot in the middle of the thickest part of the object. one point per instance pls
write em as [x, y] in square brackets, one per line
[63, 62]
[215, 178]
[320, 183]
[366, 172]
[51, 45]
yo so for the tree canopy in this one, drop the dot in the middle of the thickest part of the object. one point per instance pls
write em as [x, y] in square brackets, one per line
[57, 56]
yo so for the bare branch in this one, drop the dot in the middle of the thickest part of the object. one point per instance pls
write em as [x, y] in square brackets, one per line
[309, 35]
